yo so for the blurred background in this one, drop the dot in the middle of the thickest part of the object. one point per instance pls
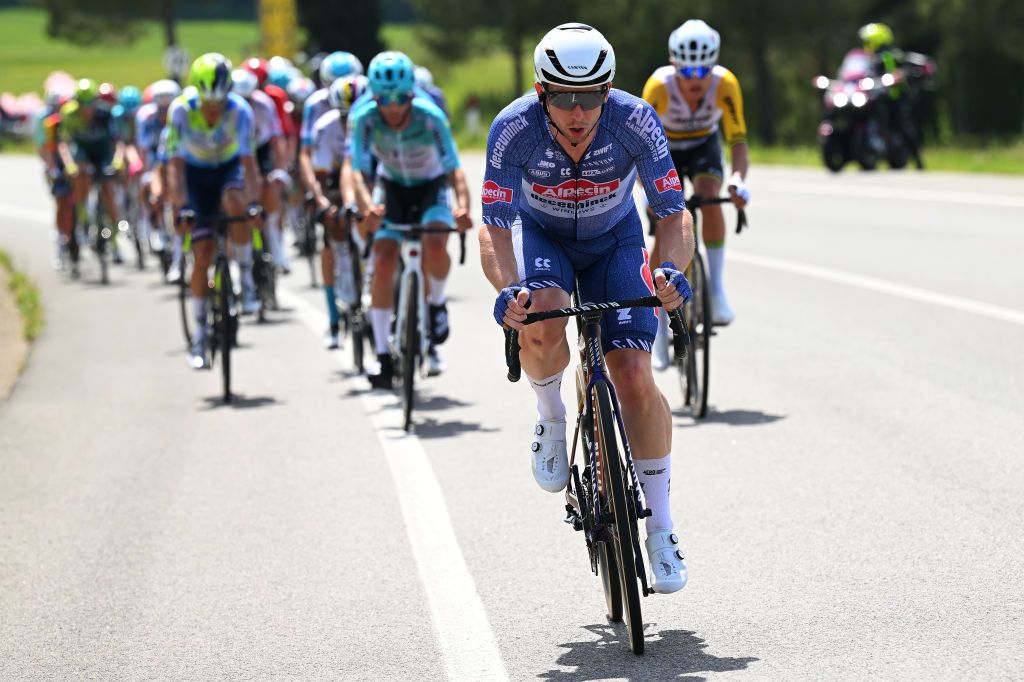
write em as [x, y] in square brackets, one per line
[480, 52]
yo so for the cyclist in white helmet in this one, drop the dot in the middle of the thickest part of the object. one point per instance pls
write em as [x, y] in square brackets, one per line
[696, 98]
[558, 209]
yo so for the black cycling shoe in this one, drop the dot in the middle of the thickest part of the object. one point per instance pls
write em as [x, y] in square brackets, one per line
[384, 378]
[438, 323]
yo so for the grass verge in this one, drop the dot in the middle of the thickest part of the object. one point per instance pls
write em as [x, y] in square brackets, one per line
[26, 298]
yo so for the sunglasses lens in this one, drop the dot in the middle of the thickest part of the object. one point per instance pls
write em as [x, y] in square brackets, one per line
[694, 71]
[567, 101]
[395, 98]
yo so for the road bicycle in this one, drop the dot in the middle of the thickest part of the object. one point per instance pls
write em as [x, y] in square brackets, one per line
[603, 498]
[222, 320]
[694, 373]
[411, 340]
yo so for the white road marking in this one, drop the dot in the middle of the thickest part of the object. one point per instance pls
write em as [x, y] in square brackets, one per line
[463, 631]
[21, 213]
[881, 286]
[893, 193]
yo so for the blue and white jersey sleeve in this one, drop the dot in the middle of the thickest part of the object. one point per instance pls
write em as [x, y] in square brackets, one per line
[316, 106]
[360, 122]
[514, 133]
[643, 136]
[328, 150]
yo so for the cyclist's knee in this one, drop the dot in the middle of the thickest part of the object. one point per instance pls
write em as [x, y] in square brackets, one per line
[234, 202]
[543, 337]
[385, 257]
[634, 381]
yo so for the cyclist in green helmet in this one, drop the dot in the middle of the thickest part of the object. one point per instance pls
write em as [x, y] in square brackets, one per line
[213, 170]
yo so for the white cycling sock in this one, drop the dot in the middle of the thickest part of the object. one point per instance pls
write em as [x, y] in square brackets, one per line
[243, 254]
[716, 262]
[178, 245]
[199, 312]
[437, 287]
[656, 478]
[380, 318]
[549, 396]
[273, 234]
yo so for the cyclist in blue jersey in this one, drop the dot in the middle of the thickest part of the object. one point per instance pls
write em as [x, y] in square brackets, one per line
[409, 139]
[558, 210]
[210, 147]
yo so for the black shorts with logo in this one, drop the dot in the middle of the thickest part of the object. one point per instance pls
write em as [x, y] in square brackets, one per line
[704, 159]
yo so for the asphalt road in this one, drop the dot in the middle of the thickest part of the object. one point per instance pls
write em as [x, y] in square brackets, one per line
[851, 508]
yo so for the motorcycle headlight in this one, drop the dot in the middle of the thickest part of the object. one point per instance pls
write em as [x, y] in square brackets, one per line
[858, 99]
[840, 100]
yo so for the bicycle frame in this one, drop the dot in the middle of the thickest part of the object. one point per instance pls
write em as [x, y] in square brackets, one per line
[412, 259]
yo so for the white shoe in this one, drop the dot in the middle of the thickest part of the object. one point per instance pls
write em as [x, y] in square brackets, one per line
[667, 568]
[721, 311]
[434, 364]
[550, 457]
[332, 340]
[197, 356]
[659, 353]
[173, 274]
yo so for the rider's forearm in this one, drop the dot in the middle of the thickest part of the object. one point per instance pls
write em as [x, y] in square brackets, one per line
[674, 237]
[252, 179]
[348, 190]
[65, 154]
[306, 168]
[741, 159]
[363, 196]
[176, 182]
[457, 179]
[278, 150]
[497, 257]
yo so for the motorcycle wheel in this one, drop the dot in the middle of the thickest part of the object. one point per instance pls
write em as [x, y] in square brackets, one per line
[833, 154]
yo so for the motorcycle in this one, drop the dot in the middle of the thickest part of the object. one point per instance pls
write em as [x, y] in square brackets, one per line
[851, 126]
[860, 122]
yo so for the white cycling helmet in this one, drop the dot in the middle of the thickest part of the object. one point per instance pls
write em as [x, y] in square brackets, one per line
[424, 78]
[694, 44]
[299, 89]
[164, 91]
[244, 82]
[574, 55]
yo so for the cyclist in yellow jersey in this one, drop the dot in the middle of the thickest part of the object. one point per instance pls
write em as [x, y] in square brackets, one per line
[696, 99]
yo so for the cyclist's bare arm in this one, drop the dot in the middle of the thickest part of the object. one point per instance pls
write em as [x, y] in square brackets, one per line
[176, 182]
[65, 154]
[252, 179]
[348, 187]
[463, 216]
[497, 257]
[306, 172]
[119, 154]
[740, 154]
[673, 239]
[279, 151]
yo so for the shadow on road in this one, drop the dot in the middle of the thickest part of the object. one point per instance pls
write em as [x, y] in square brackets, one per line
[432, 428]
[730, 417]
[239, 402]
[439, 402]
[669, 655]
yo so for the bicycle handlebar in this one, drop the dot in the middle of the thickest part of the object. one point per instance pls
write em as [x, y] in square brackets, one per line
[190, 217]
[417, 229]
[696, 201]
[680, 335]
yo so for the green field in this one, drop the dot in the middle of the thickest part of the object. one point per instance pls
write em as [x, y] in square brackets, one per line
[27, 54]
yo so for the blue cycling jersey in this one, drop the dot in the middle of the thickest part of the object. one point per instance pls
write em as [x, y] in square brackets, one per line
[527, 171]
[422, 151]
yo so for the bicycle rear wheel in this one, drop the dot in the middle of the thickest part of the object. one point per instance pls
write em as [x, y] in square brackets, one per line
[623, 527]
[410, 348]
[695, 371]
[225, 328]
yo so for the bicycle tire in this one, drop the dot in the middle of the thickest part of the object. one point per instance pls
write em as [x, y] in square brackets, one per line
[410, 349]
[225, 328]
[309, 245]
[623, 527]
[694, 373]
[358, 340]
[100, 243]
[184, 297]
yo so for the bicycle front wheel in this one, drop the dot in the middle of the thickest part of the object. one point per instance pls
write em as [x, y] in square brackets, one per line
[226, 328]
[694, 372]
[624, 531]
[184, 300]
[410, 348]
